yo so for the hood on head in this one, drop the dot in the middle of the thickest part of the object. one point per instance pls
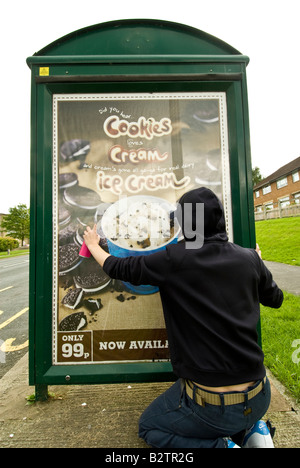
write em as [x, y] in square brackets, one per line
[214, 219]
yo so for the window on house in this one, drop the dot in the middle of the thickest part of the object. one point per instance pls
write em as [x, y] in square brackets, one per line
[269, 206]
[257, 193]
[284, 202]
[282, 182]
[266, 189]
[297, 198]
[295, 176]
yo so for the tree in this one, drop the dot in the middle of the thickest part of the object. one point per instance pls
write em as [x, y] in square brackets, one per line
[256, 176]
[17, 223]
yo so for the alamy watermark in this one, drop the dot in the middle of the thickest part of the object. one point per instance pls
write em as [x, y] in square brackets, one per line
[149, 222]
[191, 220]
[296, 353]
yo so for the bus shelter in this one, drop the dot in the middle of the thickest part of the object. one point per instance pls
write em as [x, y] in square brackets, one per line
[126, 111]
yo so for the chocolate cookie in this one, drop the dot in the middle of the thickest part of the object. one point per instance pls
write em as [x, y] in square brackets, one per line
[68, 179]
[73, 322]
[91, 277]
[64, 215]
[73, 150]
[78, 235]
[68, 258]
[73, 298]
[92, 305]
[67, 234]
[98, 218]
[82, 198]
[100, 211]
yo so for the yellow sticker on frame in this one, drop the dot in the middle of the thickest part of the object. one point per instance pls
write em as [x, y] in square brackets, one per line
[44, 71]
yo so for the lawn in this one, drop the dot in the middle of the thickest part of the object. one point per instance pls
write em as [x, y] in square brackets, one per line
[14, 253]
[281, 342]
[279, 239]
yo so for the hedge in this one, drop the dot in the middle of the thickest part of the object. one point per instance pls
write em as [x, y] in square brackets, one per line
[8, 243]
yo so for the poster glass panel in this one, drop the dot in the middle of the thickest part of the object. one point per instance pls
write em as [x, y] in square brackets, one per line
[122, 161]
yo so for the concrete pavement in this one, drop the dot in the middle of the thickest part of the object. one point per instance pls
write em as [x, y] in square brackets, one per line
[286, 276]
[102, 416]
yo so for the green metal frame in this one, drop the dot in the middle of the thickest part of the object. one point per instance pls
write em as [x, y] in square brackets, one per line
[218, 68]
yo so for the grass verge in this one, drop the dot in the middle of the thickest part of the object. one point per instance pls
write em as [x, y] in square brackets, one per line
[14, 253]
[281, 342]
[278, 240]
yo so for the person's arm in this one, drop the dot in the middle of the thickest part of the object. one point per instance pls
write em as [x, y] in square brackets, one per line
[270, 294]
[150, 269]
[91, 240]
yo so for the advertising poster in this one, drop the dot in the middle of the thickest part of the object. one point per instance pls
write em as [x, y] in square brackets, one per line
[122, 161]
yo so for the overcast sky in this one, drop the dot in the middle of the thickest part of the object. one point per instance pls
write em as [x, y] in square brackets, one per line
[267, 31]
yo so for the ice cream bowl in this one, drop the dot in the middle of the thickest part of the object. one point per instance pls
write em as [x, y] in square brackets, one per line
[139, 225]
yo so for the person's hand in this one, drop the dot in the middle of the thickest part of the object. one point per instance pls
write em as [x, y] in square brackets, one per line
[258, 251]
[91, 240]
[91, 237]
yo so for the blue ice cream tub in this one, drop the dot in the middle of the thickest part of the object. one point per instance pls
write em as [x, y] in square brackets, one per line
[139, 225]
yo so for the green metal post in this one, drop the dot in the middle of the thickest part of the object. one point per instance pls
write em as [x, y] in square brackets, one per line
[41, 392]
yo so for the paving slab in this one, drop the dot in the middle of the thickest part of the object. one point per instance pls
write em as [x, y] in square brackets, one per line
[286, 276]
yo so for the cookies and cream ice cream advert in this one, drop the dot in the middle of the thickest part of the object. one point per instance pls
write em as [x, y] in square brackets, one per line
[122, 161]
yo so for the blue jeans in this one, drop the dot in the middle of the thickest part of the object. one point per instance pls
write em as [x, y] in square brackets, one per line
[173, 420]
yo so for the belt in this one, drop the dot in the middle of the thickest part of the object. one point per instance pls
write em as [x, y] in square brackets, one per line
[218, 399]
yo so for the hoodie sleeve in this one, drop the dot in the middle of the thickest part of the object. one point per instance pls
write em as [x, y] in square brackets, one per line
[269, 293]
[145, 269]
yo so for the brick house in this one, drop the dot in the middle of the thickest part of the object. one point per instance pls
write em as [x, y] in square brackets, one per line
[2, 233]
[279, 190]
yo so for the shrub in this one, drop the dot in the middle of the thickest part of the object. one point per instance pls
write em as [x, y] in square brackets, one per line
[8, 243]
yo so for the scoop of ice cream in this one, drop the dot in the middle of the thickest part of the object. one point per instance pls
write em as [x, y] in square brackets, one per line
[142, 225]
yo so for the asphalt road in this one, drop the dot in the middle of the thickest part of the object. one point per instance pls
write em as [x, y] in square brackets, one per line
[14, 298]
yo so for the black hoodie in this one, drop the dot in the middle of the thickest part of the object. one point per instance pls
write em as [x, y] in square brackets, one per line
[210, 298]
